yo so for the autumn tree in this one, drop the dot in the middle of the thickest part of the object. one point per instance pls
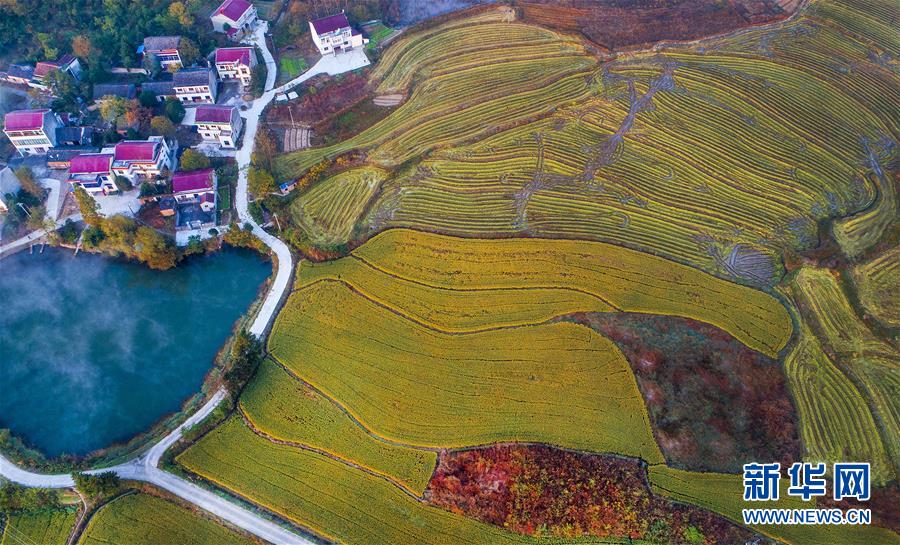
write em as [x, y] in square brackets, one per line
[88, 207]
[112, 107]
[82, 46]
[29, 183]
[179, 13]
[265, 151]
[188, 51]
[137, 114]
[192, 159]
[260, 183]
[155, 250]
[161, 124]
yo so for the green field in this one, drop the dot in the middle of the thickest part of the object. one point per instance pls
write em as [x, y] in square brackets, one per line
[286, 409]
[338, 502]
[50, 527]
[147, 520]
[724, 494]
[719, 157]
[289, 68]
[877, 281]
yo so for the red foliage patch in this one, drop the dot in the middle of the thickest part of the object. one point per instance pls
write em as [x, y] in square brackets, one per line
[331, 97]
[541, 490]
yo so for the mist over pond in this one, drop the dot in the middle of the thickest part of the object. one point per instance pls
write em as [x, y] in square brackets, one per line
[93, 350]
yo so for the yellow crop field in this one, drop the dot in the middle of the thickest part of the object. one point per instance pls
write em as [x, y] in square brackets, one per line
[724, 494]
[877, 281]
[329, 211]
[558, 383]
[142, 518]
[869, 361]
[337, 501]
[50, 527]
[288, 410]
[625, 279]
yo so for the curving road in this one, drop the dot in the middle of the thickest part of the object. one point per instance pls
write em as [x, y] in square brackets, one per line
[145, 467]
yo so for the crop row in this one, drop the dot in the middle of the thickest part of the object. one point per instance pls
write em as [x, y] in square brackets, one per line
[48, 527]
[877, 282]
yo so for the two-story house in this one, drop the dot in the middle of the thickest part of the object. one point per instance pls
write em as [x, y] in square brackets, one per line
[195, 199]
[163, 89]
[236, 63]
[93, 172]
[142, 159]
[234, 17]
[66, 63]
[195, 85]
[32, 132]
[220, 124]
[334, 34]
[163, 49]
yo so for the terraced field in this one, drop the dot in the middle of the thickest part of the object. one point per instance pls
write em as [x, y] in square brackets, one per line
[867, 361]
[719, 155]
[51, 527]
[724, 494]
[328, 212]
[877, 282]
[148, 520]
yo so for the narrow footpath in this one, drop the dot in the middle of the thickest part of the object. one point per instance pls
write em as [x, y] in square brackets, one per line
[145, 467]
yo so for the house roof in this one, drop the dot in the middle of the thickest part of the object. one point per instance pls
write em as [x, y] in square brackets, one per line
[208, 197]
[192, 181]
[24, 120]
[233, 9]
[66, 154]
[90, 163]
[45, 67]
[160, 43]
[239, 55]
[135, 150]
[192, 77]
[124, 90]
[166, 87]
[214, 114]
[68, 134]
[23, 71]
[65, 60]
[330, 23]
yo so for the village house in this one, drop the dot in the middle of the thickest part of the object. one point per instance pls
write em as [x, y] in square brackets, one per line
[220, 124]
[140, 160]
[19, 74]
[123, 90]
[163, 49]
[32, 132]
[162, 89]
[61, 158]
[195, 199]
[66, 63]
[236, 63]
[74, 136]
[333, 34]
[93, 172]
[234, 17]
[195, 85]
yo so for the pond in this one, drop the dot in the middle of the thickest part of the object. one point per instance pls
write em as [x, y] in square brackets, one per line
[94, 351]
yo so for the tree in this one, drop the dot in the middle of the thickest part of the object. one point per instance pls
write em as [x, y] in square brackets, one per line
[258, 79]
[137, 114]
[82, 47]
[174, 110]
[63, 86]
[123, 184]
[88, 207]
[29, 183]
[47, 42]
[188, 51]
[246, 355]
[111, 107]
[161, 124]
[153, 249]
[260, 182]
[192, 159]
[265, 150]
[178, 12]
[148, 99]
[36, 217]
[97, 486]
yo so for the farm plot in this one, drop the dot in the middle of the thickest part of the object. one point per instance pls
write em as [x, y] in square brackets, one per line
[625, 279]
[146, 519]
[724, 494]
[337, 501]
[869, 361]
[50, 527]
[328, 212]
[556, 383]
[288, 410]
[877, 281]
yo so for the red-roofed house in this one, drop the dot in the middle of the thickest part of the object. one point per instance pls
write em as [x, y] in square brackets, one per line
[333, 34]
[220, 124]
[234, 17]
[142, 159]
[32, 132]
[193, 189]
[93, 172]
[236, 63]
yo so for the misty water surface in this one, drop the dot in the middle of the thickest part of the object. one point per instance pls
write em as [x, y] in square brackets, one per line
[95, 350]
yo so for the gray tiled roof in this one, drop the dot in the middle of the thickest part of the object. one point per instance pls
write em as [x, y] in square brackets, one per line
[116, 89]
[166, 87]
[158, 43]
[192, 77]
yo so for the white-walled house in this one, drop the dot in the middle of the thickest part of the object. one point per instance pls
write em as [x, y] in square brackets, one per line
[195, 199]
[163, 49]
[32, 132]
[93, 172]
[236, 63]
[334, 34]
[142, 159]
[234, 17]
[195, 85]
[220, 124]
